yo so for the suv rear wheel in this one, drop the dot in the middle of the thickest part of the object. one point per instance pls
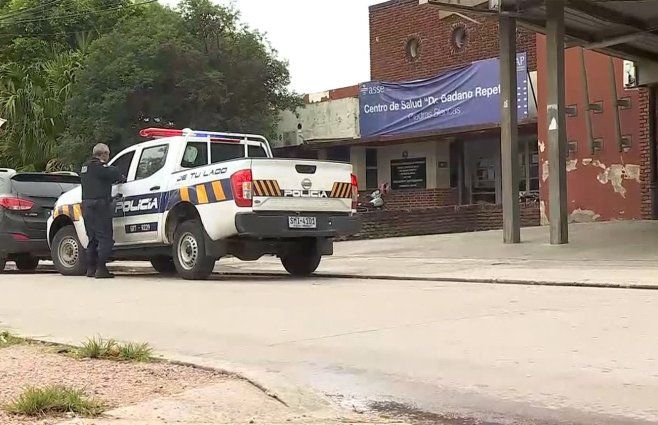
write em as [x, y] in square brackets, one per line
[67, 252]
[189, 252]
[26, 263]
[163, 264]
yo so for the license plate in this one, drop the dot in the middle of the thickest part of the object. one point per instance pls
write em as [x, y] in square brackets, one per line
[302, 222]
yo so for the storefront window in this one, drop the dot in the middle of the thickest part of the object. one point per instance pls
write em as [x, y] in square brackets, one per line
[484, 186]
[529, 173]
[339, 153]
[455, 163]
[372, 177]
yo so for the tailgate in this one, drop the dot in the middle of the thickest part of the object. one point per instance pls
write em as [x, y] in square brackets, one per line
[301, 185]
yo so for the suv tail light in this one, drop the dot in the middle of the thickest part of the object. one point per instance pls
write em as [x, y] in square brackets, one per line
[355, 192]
[15, 204]
[241, 183]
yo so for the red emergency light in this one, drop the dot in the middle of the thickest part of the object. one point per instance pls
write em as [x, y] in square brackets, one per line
[160, 132]
[172, 132]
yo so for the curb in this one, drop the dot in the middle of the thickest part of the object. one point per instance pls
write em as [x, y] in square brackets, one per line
[491, 281]
[165, 358]
[495, 281]
[231, 374]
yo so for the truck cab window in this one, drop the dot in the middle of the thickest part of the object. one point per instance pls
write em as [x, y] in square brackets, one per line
[220, 152]
[152, 160]
[195, 155]
[123, 162]
[256, 152]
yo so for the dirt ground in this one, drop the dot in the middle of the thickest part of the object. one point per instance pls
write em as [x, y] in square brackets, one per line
[113, 383]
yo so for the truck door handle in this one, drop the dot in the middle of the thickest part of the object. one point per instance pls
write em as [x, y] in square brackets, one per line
[155, 188]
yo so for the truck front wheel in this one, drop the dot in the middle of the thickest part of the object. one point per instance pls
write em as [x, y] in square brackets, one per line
[67, 252]
[302, 262]
[189, 252]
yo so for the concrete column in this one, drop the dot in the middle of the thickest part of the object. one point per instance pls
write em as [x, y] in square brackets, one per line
[557, 129]
[509, 131]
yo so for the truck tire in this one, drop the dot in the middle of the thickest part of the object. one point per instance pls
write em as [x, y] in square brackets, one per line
[67, 252]
[189, 252]
[164, 264]
[302, 263]
[3, 263]
[26, 263]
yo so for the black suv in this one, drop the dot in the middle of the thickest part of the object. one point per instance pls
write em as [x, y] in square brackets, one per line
[26, 202]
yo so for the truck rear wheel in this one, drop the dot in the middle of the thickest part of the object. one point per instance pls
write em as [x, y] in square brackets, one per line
[189, 252]
[302, 262]
[67, 252]
[163, 264]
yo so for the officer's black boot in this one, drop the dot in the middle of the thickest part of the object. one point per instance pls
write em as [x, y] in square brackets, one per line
[91, 271]
[102, 272]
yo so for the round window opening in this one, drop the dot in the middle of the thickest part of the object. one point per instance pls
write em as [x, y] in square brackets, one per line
[413, 48]
[459, 37]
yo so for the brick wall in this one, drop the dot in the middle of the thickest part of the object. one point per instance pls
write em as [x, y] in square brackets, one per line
[420, 198]
[647, 179]
[393, 23]
[335, 94]
[603, 184]
[438, 220]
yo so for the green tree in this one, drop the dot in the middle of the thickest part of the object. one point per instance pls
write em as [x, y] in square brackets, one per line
[198, 67]
[32, 99]
[42, 43]
[31, 30]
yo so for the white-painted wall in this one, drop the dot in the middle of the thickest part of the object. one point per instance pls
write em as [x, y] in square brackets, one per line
[327, 120]
[433, 151]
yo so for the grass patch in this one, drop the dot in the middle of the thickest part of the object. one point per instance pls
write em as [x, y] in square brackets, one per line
[97, 348]
[54, 400]
[7, 339]
[135, 352]
[109, 349]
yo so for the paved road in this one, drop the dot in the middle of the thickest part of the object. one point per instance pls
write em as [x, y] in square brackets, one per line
[623, 253]
[562, 355]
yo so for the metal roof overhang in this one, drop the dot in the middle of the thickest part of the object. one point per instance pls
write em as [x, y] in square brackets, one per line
[624, 28]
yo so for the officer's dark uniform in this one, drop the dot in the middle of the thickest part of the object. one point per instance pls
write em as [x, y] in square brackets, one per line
[97, 180]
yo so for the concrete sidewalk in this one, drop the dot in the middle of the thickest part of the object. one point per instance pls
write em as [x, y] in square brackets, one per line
[615, 254]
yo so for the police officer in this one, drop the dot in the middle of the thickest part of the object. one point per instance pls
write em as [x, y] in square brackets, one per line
[97, 179]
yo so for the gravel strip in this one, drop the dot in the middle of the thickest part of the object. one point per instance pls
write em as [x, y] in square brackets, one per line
[114, 383]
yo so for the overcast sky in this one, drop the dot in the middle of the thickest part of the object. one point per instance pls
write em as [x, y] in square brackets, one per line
[325, 41]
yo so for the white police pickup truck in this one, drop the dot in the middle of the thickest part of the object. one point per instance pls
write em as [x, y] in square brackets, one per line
[192, 197]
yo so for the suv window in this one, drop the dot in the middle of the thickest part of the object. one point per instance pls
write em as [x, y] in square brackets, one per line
[151, 161]
[220, 152]
[196, 155]
[43, 185]
[123, 162]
